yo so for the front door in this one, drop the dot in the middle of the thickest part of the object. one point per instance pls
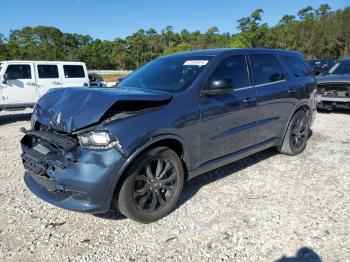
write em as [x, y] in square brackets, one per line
[229, 121]
[20, 87]
[47, 77]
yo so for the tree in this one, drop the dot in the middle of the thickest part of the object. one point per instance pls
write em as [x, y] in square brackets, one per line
[306, 13]
[3, 48]
[317, 33]
[286, 19]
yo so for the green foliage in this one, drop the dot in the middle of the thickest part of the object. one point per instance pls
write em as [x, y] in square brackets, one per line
[317, 33]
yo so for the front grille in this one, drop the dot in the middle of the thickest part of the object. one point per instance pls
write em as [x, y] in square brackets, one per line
[62, 141]
[341, 90]
[39, 175]
[45, 182]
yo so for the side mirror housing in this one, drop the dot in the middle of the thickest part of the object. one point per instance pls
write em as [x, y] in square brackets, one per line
[218, 86]
[5, 78]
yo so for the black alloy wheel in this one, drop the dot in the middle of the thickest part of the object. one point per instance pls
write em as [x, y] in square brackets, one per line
[299, 132]
[152, 186]
[155, 185]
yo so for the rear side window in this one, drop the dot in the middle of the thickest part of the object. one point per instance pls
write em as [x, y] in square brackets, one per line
[296, 66]
[48, 71]
[234, 68]
[73, 71]
[18, 72]
[266, 69]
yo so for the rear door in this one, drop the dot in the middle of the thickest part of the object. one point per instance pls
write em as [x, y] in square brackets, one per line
[229, 121]
[20, 87]
[74, 75]
[48, 77]
[276, 96]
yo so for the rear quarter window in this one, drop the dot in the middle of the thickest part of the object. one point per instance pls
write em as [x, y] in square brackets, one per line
[266, 69]
[296, 66]
[73, 71]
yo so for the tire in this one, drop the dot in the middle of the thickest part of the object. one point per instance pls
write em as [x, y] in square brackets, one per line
[297, 134]
[152, 187]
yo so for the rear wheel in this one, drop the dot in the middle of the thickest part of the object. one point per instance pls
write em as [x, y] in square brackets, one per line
[297, 134]
[153, 186]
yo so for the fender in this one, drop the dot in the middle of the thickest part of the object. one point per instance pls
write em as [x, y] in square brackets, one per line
[142, 147]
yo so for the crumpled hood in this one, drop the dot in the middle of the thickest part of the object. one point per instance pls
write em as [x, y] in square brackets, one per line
[333, 78]
[70, 109]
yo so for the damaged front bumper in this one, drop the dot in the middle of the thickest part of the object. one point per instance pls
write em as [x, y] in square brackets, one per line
[330, 102]
[333, 96]
[64, 174]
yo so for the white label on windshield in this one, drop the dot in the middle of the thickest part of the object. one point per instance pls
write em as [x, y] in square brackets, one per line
[196, 62]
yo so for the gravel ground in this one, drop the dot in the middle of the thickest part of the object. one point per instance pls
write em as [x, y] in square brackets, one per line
[268, 207]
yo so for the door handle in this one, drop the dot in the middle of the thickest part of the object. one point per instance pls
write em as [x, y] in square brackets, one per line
[249, 99]
[56, 83]
[30, 83]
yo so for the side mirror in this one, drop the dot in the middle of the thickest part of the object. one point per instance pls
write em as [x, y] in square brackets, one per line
[5, 78]
[218, 86]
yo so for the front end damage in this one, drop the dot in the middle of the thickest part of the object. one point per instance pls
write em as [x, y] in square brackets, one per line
[62, 173]
[333, 96]
[66, 161]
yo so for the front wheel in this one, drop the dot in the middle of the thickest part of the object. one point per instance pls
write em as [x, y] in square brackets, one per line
[297, 134]
[152, 187]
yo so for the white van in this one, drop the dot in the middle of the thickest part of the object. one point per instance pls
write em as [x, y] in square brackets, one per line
[22, 83]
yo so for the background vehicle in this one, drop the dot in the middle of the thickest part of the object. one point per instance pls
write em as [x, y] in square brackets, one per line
[96, 80]
[22, 83]
[169, 121]
[334, 88]
[321, 66]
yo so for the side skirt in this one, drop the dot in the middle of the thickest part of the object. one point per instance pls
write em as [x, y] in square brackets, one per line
[227, 159]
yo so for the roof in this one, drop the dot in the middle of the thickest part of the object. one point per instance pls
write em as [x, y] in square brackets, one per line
[220, 51]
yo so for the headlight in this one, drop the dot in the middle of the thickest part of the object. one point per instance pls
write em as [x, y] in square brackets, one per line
[97, 140]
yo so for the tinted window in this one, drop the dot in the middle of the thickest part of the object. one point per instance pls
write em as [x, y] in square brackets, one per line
[170, 74]
[18, 72]
[233, 68]
[48, 71]
[266, 69]
[341, 68]
[73, 71]
[296, 66]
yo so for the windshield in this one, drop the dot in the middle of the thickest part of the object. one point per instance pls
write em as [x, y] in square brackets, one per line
[342, 67]
[170, 74]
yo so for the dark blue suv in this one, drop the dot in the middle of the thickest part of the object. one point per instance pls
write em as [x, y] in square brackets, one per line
[176, 117]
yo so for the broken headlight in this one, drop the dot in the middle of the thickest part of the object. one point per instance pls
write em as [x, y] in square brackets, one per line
[97, 140]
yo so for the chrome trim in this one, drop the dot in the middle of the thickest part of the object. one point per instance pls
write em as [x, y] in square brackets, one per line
[271, 83]
[243, 88]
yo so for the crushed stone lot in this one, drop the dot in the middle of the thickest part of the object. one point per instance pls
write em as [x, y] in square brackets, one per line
[267, 207]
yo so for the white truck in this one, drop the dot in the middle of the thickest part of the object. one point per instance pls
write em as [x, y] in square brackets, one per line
[22, 83]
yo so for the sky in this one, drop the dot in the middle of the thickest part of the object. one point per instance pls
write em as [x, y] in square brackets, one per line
[108, 19]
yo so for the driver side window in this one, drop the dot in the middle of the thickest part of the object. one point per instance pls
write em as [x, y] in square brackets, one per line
[233, 68]
[18, 72]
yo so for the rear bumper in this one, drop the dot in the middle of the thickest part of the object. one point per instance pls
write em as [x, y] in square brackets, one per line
[85, 184]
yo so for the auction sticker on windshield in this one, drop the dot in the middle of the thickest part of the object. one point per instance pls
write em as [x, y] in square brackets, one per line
[196, 62]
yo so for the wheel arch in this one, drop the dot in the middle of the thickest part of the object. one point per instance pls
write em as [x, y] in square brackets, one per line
[302, 106]
[174, 142]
